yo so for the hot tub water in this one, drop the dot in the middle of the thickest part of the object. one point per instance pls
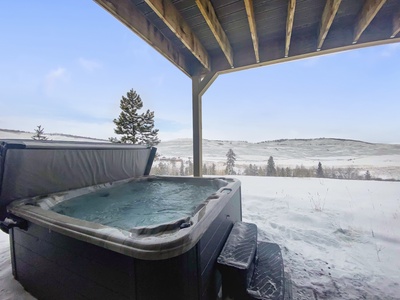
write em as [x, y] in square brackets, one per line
[137, 203]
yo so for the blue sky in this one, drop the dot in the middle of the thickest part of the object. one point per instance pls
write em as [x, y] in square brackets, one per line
[65, 65]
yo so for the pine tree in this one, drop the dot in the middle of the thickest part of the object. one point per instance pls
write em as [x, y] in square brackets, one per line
[367, 175]
[260, 172]
[320, 171]
[182, 169]
[204, 169]
[149, 134]
[271, 171]
[189, 170]
[174, 171]
[39, 134]
[114, 140]
[213, 170]
[230, 162]
[251, 170]
[163, 168]
[135, 127]
[247, 170]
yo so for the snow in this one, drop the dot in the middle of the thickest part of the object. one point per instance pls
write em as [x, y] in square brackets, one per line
[340, 239]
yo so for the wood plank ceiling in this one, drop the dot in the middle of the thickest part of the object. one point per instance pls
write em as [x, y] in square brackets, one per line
[216, 36]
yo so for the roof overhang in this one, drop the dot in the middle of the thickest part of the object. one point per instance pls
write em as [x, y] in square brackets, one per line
[220, 36]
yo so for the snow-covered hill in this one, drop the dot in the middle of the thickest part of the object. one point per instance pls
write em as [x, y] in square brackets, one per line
[17, 134]
[382, 160]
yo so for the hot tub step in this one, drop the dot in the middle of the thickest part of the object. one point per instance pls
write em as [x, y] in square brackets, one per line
[236, 261]
[268, 277]
[251, 270]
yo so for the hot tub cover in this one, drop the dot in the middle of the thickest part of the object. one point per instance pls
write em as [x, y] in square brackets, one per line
[31, 168]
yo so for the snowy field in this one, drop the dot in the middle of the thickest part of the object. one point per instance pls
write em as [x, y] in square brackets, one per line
[340, 239]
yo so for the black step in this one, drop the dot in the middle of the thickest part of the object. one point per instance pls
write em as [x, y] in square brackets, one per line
[236, 261]
[268, 277]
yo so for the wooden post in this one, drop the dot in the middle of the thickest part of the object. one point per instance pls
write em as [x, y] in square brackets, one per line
[199, 87]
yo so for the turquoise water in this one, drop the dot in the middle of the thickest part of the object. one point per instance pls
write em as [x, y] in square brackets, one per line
[139, 203]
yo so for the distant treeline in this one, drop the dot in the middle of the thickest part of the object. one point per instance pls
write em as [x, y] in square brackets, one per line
[302, 171]
[180, 167]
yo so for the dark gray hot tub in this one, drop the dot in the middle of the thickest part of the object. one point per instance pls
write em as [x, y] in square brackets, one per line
[56, 256]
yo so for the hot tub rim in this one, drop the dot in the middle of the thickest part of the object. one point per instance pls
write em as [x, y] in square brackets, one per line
[148, 247]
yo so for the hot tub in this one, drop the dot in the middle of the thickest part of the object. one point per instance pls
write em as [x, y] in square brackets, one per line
[59, 255]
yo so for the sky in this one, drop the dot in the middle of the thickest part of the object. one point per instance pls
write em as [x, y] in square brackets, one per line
[66, 64]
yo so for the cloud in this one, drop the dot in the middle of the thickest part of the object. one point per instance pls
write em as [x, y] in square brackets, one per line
[89, 65]
[53, 78]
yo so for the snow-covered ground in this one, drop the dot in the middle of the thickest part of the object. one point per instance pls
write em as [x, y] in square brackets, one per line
[340, 239]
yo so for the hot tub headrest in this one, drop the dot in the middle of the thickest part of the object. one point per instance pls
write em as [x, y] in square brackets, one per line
[33, 168]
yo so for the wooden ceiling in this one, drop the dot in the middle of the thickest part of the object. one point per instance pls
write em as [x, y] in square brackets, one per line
[217, 36]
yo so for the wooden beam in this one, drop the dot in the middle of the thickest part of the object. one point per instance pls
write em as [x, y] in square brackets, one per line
[330, 10]
[396, 25]
[197, 127]
[206, 82]
[368, 12]
[289, 25]
[208, 12]
[253, 28]
[242, 61]
[200, 84]
[128, 14]
[174, 20]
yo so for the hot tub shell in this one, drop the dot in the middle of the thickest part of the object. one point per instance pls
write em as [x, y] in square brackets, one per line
[58, 257]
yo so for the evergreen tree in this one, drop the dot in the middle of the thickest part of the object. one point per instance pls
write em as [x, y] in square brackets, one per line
[163, 168]
[149, 134]
[182, 169]
[320, 171]
[260, 172]
[189, 170]
[248, 169]
[251, 170]
[135, 127]
[204, 169]
[39, 134]
[173, 167]
[114, 140]
[367, 175]
[213, 170]
[279, 172]
[230, 162]
[271, 171]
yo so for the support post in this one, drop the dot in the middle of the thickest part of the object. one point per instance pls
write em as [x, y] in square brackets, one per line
[199, 86]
